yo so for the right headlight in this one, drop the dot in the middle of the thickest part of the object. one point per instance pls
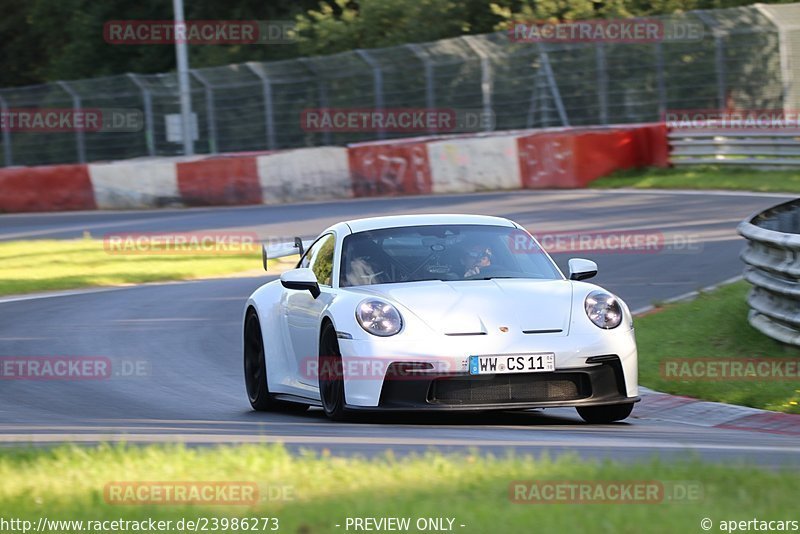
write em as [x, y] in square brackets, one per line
[603, 309]
[379, 318]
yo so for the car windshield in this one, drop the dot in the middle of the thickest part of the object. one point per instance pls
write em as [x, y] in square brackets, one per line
[442, 252]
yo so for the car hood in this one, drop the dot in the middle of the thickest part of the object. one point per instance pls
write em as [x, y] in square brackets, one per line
[484, 306]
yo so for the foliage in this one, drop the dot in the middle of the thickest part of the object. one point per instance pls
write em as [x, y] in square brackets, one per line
[47, 40]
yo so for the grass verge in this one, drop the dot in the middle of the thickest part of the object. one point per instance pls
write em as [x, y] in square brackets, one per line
[714, 325]
[317, 492]
[48, 265]
[703, 177]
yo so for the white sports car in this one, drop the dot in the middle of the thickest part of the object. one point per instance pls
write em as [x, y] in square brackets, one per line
[437, 312]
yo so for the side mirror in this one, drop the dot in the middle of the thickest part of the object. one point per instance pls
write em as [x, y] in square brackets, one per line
[302, 279]
[581, 269]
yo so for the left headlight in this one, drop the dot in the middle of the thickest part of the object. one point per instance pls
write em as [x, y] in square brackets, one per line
[603, 309]
[379, 318]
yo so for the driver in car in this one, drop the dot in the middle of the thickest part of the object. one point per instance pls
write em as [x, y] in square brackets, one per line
[475, 259]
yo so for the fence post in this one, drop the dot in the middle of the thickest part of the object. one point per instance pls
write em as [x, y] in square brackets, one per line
[551, 81]
[377, 81]
[427, 64]
[269, 119]
[210, 115]
[6, 135]
[147, 100]
[661, 87]
[76, 108]
[322, 90]
[719, 57]
[784, 53]
[544, 108]
[486, 79]
[602, 82]
[719, 60]
[536, 89]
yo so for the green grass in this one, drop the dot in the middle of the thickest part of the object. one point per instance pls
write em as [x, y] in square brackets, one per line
[68, 483]
[704, 177]
[29, 266]
[713, 326]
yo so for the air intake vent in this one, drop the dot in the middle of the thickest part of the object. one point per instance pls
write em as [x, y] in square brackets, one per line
[510, 388]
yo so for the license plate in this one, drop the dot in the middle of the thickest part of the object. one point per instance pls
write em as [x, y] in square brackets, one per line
[512, 363]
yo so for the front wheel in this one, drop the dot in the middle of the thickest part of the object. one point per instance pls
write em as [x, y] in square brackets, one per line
[605, 414]
[331, 375]
[255, 370]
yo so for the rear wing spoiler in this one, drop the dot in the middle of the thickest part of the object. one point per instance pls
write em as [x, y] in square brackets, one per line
[281, 250]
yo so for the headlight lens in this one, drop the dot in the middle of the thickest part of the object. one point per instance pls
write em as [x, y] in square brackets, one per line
[379, 318]
[603, 309]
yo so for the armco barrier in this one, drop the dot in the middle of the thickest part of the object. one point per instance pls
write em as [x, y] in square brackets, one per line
[772, 258]
[555, 158]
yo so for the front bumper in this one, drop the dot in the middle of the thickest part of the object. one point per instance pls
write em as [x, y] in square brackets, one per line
[600, 384]
[597, 369]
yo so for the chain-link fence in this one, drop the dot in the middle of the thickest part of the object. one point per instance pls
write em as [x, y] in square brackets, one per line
[741, 60]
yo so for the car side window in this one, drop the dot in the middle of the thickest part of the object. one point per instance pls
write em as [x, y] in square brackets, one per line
[319, 258]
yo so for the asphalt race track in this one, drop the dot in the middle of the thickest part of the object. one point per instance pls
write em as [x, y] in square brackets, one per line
[187, 336]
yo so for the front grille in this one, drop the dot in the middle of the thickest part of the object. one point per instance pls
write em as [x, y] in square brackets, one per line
[498, 389]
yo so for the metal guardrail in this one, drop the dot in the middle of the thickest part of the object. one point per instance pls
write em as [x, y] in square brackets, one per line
[777, 148]
[772, 258]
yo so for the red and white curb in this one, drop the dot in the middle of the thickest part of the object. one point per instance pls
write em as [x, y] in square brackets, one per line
[689, 411]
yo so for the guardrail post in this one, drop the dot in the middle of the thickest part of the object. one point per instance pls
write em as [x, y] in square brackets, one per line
[147, 101]
[269, 119]
[80, 143]
[210, 115]
[377, 83]
[6, 135]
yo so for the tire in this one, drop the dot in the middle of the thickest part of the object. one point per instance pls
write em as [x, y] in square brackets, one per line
[331, 375]
[255, 370]
[605, 414]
